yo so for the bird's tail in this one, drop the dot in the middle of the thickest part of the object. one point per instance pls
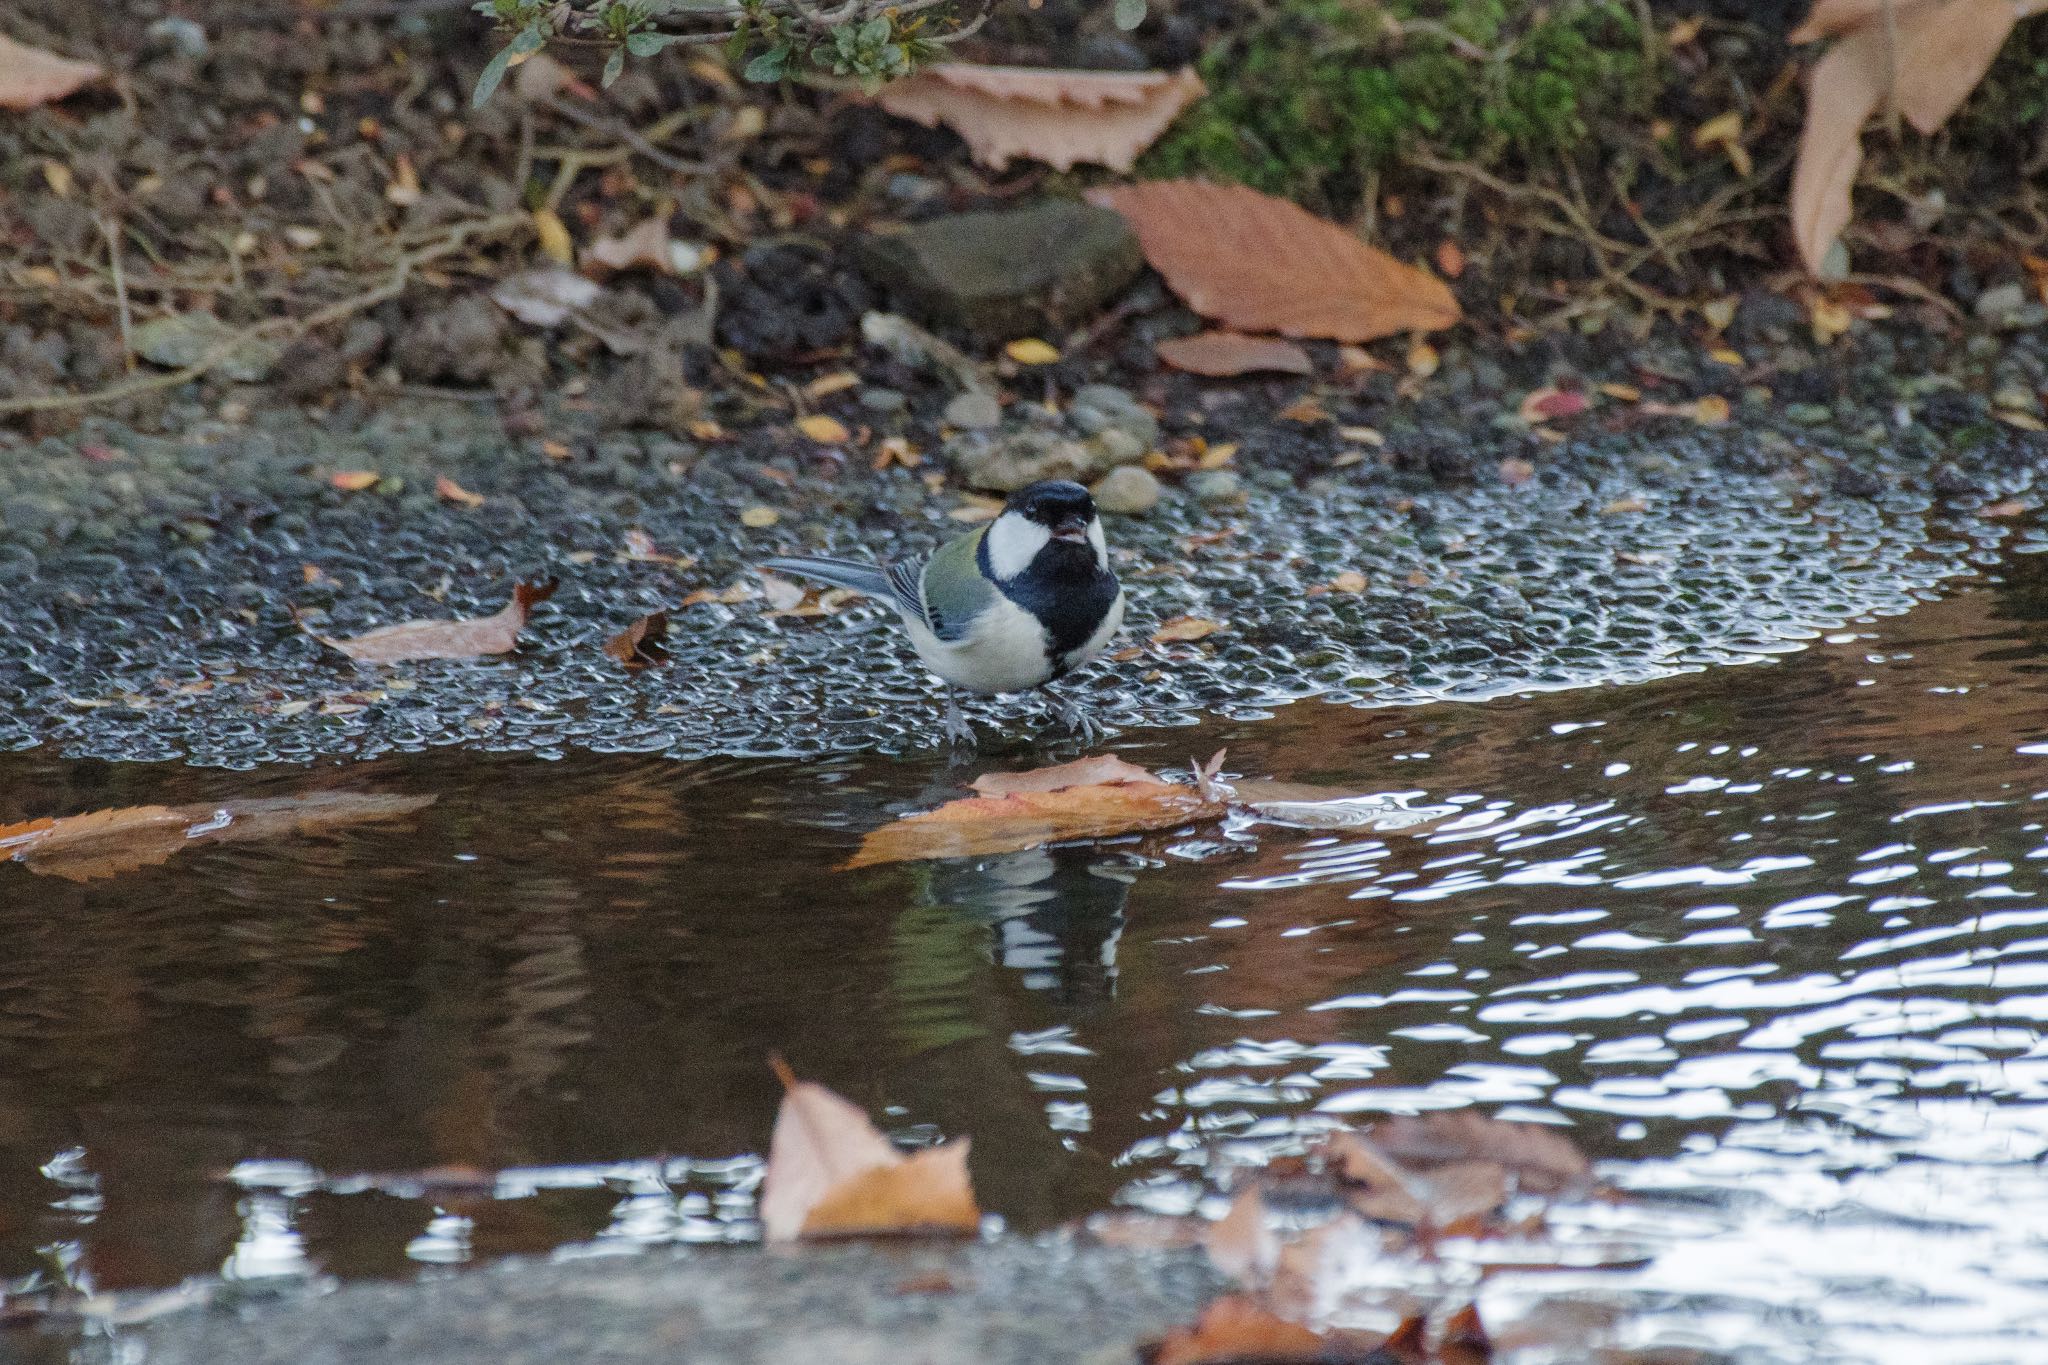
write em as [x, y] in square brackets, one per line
[841, 573]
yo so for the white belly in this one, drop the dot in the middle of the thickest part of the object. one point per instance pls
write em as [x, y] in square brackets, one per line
[1003, 651]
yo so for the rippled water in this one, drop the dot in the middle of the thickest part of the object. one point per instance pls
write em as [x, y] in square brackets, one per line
[1771, 940]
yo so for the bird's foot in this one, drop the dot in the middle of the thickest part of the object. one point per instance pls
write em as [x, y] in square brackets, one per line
[958, 732]
[1076, 719]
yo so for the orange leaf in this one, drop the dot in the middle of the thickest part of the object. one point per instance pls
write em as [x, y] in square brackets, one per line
[1094, 798]
[831, 1171]
[1222, 354]
[1059, 117]
[1944, 53]
[448, 490]
[1236, 1328]
[1182, 629]
[1450, 258]
[30, 76]
[1542, 405]
[1833, 18]
[1261, 264]
[354, 480]
[494, 634]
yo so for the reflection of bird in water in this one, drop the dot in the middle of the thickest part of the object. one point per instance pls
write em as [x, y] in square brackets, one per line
[1056, 915]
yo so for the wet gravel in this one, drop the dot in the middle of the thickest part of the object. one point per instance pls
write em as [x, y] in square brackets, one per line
[149, 583]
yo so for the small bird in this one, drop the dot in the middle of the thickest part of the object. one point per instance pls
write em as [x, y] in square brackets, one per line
[1011, 606]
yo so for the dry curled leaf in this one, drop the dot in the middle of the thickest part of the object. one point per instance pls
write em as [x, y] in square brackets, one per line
[105, 843]
[645, 246]
[1092, 801]
[30, 76]
[1062, 118]
[1262, 264]
[493, 634]
[832, 1173]
[640, 644]
[1223, 354]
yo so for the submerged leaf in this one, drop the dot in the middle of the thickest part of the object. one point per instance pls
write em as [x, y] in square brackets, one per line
[493, 634]
[1262, 264]
[640, 644]
[1237, 1329]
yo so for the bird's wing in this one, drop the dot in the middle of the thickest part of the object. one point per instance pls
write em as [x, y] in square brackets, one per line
[948, 586]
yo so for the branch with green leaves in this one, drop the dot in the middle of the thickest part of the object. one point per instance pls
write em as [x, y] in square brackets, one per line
[871, 41]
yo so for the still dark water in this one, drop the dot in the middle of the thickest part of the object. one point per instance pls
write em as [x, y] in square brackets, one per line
[1771, 940]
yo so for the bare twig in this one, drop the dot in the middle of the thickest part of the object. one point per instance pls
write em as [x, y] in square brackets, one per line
[448, 243]
[111, 230]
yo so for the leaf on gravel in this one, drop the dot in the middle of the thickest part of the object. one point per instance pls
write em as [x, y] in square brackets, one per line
[1224, 354]
[1182, 629]
[645, 246]
[1262, 264]
[30, 76]
[832, 1173]
[1104, 118]
[1032, 351]
[493, 634]
[546, 297]
[353, 480]
[1022, 816]
[105, 843]
[640, 644]
[826, 431]
[1544, 405]
[1238, 1330]
[448, 490]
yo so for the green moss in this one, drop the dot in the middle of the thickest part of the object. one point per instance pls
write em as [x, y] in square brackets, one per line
[1313, 95]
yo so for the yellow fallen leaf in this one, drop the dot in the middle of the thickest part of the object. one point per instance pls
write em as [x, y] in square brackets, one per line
[1182, 629]
[1725, 355]
[1622, 393]
[1031, 351]
[58, 177]
[553, 235]
[758, 517]
[353, 480]
[826, 431]
[1828, 318]
[450, 491]
[1711, 411]
[1423, 360]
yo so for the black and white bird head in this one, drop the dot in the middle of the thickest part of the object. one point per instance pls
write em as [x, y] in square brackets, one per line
[1048, 529]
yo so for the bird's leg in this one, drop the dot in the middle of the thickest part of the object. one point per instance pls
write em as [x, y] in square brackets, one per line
[958, 731]
[1072, 716]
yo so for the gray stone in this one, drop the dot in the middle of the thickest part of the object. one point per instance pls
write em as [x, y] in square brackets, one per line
[189, 338]
[1009, 273]
[1103, 407]
[883, 400]
[2000, 305]
[1130, 491]
[974, 411]
[1216, 488]
[1005, 463]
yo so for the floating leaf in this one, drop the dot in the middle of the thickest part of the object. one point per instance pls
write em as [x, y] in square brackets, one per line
[1542, 1158]
[1059, 117]
[1262, 264]
[494, 634]
[30, 76]
[105, 843]
[832, 1173]
[1223, 354]
[1026, 815]
[1081, 772]
[1237, 1329]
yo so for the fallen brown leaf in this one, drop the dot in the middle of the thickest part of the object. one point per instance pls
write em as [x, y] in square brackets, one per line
[1183, 629]
[1262, 264]
[1081, 772]
[1223, 354]
[640, 644]
[1541, 1158]
[105, 843]
[353, 480]
[1543, 405]
[832, 1173]
[494, 634]
[448, 490]
[1023, 814]
[1238, 1330]
[644, 246]
[1062, 118]
[1845, 89]
[30, 76]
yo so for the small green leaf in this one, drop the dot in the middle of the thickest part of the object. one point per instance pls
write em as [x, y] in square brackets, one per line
[525, 43]
[1129, 14]
[614, 65]
[769, 66]
[874, 32]
[646, 44]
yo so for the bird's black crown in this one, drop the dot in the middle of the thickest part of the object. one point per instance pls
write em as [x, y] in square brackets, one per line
[1051, 502]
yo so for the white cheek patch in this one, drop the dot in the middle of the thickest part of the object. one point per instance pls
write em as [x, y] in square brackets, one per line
[1013, 542]
[1101, 545]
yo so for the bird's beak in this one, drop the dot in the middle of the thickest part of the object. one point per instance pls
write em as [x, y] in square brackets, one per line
[1071, 528]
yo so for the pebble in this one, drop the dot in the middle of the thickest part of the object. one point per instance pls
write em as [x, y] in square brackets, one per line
[884, 401]
[2001, 304]
[1216, 487]
[974, 411]
[1129, 491]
